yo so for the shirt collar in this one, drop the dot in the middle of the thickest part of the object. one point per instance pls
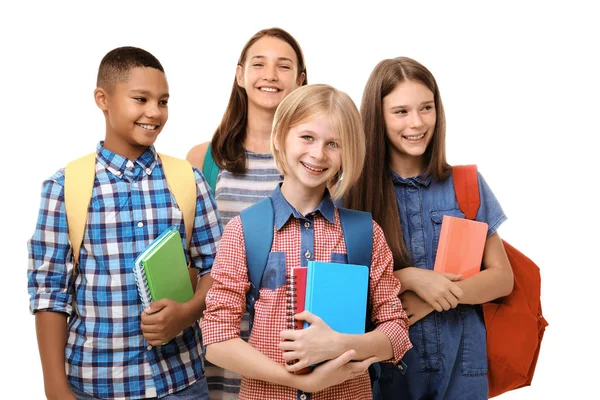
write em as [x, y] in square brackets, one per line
[284, 210]
[412, 181]
[117, 164]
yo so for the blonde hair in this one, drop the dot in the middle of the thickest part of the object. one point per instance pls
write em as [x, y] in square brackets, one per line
[309, 102]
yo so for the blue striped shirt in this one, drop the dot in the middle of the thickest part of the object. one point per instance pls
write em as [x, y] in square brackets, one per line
[106, 354]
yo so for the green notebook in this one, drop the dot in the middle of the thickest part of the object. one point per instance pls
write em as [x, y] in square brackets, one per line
[161, 271]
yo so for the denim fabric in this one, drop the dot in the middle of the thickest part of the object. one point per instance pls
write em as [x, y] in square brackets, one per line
[196, 391]
[448, 359]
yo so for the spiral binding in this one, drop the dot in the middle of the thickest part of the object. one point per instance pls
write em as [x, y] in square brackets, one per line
[142, 285]
[290, 300]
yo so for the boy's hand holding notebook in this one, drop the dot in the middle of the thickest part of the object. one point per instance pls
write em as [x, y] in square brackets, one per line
[461, 245]
[161, 270]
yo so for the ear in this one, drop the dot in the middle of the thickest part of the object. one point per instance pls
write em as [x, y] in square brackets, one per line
[101, 98]
[301, 79]
[239, 76]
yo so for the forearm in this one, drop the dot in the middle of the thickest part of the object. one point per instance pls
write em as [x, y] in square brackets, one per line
[494, 280]
[197, 304]
[371, 344]
[485, 286]
[238, 356]
[51, 330]
[406, 278]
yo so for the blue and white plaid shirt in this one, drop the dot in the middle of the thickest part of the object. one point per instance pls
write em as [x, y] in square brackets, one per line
[106, 354]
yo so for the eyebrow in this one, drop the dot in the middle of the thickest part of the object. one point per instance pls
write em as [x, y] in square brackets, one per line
[147, 92]
[404, 106]
[279, 58]
[305, 131]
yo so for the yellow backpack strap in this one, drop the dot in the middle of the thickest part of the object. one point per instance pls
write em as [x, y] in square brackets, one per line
[182, 183]
[79, 184]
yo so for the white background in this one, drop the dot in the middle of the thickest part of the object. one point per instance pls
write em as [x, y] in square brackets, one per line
[519, 83]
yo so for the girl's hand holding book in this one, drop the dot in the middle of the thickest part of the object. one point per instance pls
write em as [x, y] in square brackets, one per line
[311, 345]
[436, 288]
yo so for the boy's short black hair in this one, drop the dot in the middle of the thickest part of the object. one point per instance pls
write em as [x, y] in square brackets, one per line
[117, 63]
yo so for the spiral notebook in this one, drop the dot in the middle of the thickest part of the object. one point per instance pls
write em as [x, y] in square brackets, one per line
[296, 294]
[161, 270]
[337, 293]
[295, 298]
[461, 245]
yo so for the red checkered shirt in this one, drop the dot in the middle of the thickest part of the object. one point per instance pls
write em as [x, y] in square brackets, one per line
[227, 297]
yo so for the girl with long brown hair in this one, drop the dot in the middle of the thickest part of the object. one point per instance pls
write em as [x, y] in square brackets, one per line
[407, 185]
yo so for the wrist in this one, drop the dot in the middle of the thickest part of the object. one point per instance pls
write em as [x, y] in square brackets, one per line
[190, 313]
[58, 391]
[344, 342]
[407, 277]
[288, 379]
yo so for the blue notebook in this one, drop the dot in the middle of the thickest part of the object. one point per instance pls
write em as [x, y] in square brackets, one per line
[337, 293]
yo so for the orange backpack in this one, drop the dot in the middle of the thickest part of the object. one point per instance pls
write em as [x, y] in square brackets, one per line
[514, 324]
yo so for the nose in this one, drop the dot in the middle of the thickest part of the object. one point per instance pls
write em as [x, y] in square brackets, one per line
[270, 73]
[415, 120]
[317, 152]
[152, 110]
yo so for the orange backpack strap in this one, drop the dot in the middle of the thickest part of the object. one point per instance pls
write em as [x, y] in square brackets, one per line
[466, 188]
[79, 184]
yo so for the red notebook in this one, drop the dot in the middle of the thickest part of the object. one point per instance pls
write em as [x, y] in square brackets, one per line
[460, 248]
[296, 296]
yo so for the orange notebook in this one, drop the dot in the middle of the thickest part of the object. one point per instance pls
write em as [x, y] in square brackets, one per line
[296, 297]
[460, 248]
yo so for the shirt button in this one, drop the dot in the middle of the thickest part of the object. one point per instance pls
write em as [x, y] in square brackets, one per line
[307, 254]
[140, 224]
[129, 164]
[118, 173]
[136, 185]
[307, 224]
[149, 348]
[148, 171]
[302, 396]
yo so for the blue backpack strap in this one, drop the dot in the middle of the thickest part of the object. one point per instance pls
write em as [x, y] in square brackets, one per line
[358, 235]
[357, 226]
[257, 223]
[210, 169]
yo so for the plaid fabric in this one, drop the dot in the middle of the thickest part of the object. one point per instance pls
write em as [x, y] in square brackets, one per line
[293, 244]
[106, 354]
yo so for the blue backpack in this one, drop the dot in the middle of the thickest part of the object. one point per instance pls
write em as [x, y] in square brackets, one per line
[258, 222]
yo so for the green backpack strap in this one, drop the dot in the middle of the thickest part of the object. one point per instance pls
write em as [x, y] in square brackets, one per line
[210, 169]
[79, 184]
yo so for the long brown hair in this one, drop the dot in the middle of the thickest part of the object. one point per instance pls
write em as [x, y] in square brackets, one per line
[227, 143]
[374, 191]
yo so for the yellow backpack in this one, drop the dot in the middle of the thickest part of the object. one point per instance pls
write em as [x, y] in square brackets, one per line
[79, 184]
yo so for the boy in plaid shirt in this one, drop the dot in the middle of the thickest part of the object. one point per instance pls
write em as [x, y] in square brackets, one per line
[89, 316]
